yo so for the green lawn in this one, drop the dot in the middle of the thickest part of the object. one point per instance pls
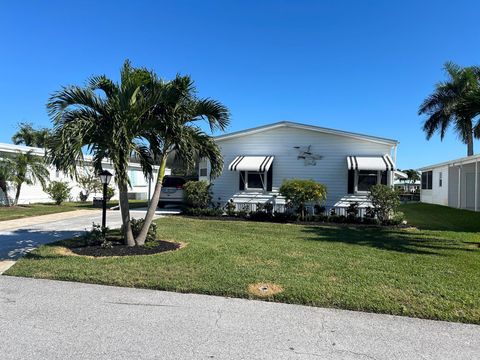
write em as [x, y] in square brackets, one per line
[422, 273]
[22, 211]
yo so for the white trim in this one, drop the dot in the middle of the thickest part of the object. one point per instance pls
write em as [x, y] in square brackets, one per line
[305, 127]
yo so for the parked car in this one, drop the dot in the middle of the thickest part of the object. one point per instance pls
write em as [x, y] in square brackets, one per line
[172, 190]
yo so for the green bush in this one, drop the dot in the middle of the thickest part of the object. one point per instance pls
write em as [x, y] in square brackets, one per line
[197, 194]
[58, 191]
[137, 225]
[385, 201]
[300, 192]
[110, 192]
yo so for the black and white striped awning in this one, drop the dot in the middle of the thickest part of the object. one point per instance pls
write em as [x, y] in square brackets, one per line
[251, 163]
[384, 163]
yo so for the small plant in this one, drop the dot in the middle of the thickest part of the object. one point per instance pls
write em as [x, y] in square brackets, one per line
[230, 208]
[137, 225]
[59, 191]
[110, 192]
[385, 201]
[352, 212]
[96, 236]
[197, 194]
[300, 192]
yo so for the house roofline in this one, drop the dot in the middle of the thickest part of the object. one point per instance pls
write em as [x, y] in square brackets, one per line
[292, 124]
[13, 149]
[459, 161]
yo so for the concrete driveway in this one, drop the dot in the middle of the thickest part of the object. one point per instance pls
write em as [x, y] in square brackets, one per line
[17, 237]
[44, 319]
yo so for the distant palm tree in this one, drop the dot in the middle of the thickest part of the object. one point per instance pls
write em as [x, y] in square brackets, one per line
[6, 175]
[27, 168]
[450, 104]
[28, 136]
[172, 130]
[105, 118]
[413, 175]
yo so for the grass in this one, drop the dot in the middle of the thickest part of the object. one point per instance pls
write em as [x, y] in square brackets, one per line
[414, 272]
[22, 211]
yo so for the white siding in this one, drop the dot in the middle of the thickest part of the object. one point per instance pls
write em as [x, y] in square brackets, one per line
[331, 170]
[438, 194]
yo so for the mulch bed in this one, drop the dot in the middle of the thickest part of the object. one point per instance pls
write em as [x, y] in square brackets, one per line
[124, 250]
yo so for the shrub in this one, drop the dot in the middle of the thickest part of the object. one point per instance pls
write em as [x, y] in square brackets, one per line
[197, 194]
[260, 216]
[96, 236]
[300, 192]
[397, 219]
[352, 212]
[203, 212]
[385, 201]
[230, 208]
[110, 192]
[59, 191]
[284, 217]
[137, 225]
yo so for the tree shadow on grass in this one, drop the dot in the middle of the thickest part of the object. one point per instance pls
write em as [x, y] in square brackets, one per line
[401, 241]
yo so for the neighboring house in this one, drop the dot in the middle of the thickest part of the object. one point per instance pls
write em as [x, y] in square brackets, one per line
[34, 193]
[452, 183]
[402, 183]
[258, 160]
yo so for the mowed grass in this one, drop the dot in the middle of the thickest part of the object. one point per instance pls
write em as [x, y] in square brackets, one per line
[22, 211]
[413, 272]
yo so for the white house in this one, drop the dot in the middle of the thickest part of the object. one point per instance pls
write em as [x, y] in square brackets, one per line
[258, 160]
[34, 193]
[452, 183]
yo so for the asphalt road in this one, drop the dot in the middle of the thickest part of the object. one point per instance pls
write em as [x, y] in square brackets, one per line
[44, 319]
[17, 241]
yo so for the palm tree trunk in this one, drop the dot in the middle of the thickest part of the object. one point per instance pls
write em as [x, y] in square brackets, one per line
[17, 194]
[469, 144]
[125, 211]
[4, 188]
[140, 240]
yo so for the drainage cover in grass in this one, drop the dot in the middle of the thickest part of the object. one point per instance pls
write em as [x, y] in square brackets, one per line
[264, 289]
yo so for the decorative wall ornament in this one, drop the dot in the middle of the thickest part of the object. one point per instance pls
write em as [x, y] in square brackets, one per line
[305, 154]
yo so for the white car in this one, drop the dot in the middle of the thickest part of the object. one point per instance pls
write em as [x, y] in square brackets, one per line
[172, 191]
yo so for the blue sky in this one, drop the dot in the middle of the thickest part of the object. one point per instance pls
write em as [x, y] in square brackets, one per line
[362, 66]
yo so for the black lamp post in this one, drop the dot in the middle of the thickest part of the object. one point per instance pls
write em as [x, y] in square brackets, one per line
[105, 177]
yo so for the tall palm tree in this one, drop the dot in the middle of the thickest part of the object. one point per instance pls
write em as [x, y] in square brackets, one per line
[27, 168]
[105, 118]
[6, 175]
[28, 136]
[448, 105]
[172, 128]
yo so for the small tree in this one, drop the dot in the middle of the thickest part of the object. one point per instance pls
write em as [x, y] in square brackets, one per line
[300, 192]
[385, 201]
[89, 183]
[197, 194]
[59, 191]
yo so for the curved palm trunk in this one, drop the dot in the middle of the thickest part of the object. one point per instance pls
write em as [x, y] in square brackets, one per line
[17, 194]
[140, 240]
[125, 211]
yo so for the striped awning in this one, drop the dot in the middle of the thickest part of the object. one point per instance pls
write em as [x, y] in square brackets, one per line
[383, 163]
[251, 163]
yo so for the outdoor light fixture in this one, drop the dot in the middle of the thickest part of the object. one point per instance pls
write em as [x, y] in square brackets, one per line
[105, 177]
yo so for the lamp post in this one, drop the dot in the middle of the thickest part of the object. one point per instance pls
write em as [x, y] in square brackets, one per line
[105, 177]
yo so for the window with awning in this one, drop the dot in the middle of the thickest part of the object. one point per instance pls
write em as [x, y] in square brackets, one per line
[366, 171]
[380, 163]
[255, 171]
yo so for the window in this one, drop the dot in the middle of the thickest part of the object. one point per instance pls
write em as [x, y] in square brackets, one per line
[427, 180]
[255, 180]
[203, 172]
[366, 179]
[440, 179]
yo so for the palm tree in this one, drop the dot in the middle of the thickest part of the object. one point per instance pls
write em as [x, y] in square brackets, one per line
[28, 136]
[171, 129]
[27, 168]
[6, 175]
[449, 105]
[413, 175]
[105, 118]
